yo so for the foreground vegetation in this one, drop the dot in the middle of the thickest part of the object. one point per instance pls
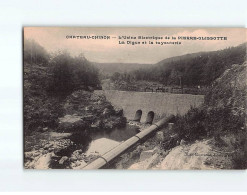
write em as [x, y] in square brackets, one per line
[223, 115]
[54, 81]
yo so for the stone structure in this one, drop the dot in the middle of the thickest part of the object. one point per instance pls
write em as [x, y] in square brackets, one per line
[145, 106]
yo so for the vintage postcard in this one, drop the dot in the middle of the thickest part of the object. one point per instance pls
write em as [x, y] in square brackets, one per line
[134, 98]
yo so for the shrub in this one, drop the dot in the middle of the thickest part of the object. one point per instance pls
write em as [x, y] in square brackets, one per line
[199, 122]
[192, 125]
[34, 53]
[71, 73]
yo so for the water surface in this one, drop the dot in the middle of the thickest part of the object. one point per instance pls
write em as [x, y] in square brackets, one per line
[103, 141]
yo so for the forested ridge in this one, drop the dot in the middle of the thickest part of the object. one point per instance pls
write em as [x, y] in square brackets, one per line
[192, 69]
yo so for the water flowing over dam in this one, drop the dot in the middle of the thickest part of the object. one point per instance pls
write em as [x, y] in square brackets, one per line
[148, 106]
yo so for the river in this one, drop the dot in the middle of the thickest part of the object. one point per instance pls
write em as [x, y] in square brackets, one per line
[101, 142]
[91, 143]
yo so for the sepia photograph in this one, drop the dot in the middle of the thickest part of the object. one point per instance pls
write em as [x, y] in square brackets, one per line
[137, 98]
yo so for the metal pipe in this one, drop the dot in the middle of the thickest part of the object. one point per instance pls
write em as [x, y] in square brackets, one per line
[110, 155]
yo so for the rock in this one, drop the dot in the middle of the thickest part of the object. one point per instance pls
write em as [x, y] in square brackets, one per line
[160, 136]
[44, 152]
[147, 163]
[151, 161]
[28, 154]
[97, 124]
[82, 164]
[63, 160]
[163, 154]
[182, 142]
[118, 111]
[69, 118]
[147, 154]
[108, 124]
[77, 163]
[88, 108]
[88, 117]
[73, 159]
[36, 147]
[43, 162]
[170, 125]
[90, 88]
[36, 153]
[107, 112]
[45, 129]
[190, 156]
[79, 151]
[75, 126]
[39, 129]
[48, 146]
[136, 166]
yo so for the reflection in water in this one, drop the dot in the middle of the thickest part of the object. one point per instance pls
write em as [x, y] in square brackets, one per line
[101, 146]
[117, 134]
[101, 142]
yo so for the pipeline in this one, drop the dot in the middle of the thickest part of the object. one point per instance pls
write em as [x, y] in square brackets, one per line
[109, 156]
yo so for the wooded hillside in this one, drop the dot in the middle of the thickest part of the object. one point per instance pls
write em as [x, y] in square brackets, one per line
[192, 69]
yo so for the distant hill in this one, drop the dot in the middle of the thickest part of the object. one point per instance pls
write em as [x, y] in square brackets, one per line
[110, 68]
[200, 68]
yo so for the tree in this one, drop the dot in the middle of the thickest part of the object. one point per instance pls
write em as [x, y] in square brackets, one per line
[34, 53]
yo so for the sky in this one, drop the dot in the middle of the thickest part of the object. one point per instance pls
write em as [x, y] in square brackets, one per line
[55, 39]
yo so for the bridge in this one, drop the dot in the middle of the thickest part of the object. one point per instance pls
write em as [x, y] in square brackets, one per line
[148, 107]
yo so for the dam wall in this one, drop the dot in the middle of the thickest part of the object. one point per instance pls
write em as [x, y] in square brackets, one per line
[161, 104]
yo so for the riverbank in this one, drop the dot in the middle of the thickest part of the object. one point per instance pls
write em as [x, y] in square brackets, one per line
[56, 150]
[156, 154]
[83, 114]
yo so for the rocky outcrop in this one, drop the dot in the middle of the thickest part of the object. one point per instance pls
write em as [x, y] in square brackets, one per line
[200, 155]
[55, 151]
[87, 110]
[148, 159]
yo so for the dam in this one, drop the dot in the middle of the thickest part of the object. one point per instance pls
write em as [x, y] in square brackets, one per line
[157, 109]
[148, 107]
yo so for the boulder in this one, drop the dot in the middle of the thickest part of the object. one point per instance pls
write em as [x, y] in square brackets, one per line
[97, 124]
[147, 154]
[63, 160]
[47, 146]
[148, 163]
[45, 129]
[43, 162]
[107, 112]
[80, 164]
[118, 111]
[75, 126]
[73, 159]
[69, 118]
[160, 136]
[182, 142]
[153, 160]
[89, 117]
